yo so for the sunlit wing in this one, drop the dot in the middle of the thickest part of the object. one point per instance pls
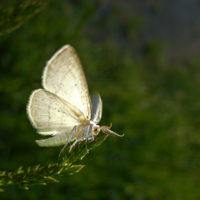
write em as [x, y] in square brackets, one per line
[96, 108]
[64, 76]
[51, 114]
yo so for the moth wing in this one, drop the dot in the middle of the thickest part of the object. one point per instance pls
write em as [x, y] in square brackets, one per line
[52, 115]
[64, 76]
[96, 108]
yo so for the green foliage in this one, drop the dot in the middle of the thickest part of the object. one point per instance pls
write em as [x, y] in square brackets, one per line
[12, 18]
[42, 175]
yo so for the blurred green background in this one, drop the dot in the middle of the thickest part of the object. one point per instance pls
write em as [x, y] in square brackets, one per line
[143, 59]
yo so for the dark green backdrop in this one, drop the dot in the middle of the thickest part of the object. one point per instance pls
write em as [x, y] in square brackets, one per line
[149, 95]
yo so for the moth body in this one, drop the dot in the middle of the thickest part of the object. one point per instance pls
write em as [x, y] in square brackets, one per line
[85, 131]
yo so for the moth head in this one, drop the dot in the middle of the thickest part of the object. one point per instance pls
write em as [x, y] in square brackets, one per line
[96, 130]
[106, 130]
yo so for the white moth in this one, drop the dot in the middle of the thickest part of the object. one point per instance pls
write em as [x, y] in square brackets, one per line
[63, 109]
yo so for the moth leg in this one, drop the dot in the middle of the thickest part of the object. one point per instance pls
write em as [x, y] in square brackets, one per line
[73, 144]
[86, 138]
[70, 138]
[77, 138]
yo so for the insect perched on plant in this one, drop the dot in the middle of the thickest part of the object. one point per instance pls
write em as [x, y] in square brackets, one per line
[63, 108]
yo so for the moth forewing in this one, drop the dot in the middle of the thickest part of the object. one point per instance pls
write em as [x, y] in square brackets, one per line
[52, 115]
[64, 76]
